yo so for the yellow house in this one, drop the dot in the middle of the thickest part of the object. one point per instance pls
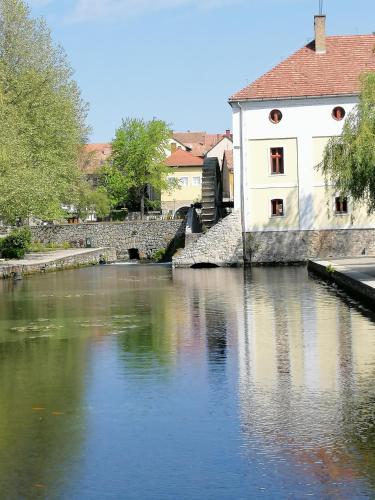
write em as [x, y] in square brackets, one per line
[228, 178]
[187, 169]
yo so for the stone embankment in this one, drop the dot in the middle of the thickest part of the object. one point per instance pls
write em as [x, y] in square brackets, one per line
[354, 275]
[220, 246]
[144, 236]
[55, 261]
[277, 247]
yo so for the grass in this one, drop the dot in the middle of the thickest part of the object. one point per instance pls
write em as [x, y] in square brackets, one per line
[37, 246]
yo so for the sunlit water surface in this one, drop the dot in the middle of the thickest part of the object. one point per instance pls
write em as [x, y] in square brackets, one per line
[139, 382]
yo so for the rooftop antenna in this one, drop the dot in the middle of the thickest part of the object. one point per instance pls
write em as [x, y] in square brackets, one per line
[320, 7]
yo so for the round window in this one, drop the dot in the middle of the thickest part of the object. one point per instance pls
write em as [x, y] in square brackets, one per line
[276, 116]
[338, 113]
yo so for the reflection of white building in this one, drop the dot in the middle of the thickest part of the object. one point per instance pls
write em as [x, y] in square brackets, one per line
[305, 360]
[281, 125]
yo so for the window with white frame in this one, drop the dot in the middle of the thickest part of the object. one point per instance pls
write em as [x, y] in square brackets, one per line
[277, 208]
[196, 181]
[171, 180]
[184, 181]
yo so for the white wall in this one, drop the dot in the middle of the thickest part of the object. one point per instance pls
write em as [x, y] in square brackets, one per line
[218, 151]
[303, 119]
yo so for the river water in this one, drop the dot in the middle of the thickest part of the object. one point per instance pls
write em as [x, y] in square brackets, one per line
[140, 382]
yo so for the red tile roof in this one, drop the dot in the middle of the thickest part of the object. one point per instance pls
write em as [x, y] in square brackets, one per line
[94, 156]
[306, 73]
[181, 158]
[199, 142]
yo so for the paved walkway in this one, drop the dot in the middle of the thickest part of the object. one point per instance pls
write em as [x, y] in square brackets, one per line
[54, 260]
[355, 274]
[45, 257]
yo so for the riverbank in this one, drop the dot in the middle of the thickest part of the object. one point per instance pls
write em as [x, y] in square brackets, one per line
[356, 275]
[56, 260]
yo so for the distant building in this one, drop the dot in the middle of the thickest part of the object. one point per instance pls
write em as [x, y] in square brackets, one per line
[187, 169]
[93, 157]
[202, 144]
[228, 178]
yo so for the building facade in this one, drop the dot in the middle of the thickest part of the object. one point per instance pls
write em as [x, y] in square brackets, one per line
[281, 125]
[187, 170]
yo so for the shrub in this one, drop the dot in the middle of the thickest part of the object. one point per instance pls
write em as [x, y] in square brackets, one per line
[158, 255]
[16, 244]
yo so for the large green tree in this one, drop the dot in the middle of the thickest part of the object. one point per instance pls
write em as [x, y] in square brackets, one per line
[42, 119]
[349, 159]
[137, 161]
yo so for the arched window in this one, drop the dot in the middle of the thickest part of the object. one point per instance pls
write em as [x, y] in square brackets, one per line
[276, 116]
[277, 207]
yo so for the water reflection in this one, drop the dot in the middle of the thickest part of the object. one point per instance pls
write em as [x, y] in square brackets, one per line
[143, 382]
[306, 361]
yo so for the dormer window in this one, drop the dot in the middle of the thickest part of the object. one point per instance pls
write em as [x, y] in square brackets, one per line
[341, 205]
[277, 208]
[338, 113]
[277, 161]
[276, 116]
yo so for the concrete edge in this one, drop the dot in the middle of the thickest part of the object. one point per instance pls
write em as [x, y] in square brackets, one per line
[355, 288]
[85, 259]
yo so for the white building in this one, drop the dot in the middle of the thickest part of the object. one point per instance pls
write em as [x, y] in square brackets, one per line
[281, 125]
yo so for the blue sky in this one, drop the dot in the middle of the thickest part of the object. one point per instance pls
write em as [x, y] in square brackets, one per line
[180, 60]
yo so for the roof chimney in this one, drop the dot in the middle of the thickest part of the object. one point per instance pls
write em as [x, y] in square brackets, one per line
[320, 34]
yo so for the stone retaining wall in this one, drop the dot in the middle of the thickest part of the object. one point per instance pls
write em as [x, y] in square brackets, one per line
[84, 259]
[220, 246]
[146, 237]
[300, 246]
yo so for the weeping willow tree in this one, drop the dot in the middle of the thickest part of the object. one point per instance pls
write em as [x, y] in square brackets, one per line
[349, 160]
[42, 119]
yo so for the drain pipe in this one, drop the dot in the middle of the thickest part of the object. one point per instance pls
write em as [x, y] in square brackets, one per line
[242, 188]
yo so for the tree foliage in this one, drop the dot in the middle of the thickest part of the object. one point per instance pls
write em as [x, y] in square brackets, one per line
[137, 161]
[42, 119]
[349, 159]
[91, 200]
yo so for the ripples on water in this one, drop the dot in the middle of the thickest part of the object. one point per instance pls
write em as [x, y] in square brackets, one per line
[141, 382]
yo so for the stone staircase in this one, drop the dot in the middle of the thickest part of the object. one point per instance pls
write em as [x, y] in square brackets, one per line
[219, 246]
[210, 214]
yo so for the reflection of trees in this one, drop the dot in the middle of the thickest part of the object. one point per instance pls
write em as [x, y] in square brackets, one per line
[153, 338]
[36, 446]
[42, 368]
[146, 316]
